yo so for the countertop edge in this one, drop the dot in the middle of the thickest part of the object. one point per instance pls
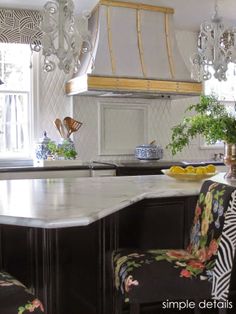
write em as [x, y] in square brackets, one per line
[87, 220]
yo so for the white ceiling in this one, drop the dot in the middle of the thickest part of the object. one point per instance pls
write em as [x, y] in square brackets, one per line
[189, 14]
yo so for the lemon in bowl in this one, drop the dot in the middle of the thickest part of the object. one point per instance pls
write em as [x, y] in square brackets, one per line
[177, 169]
[190, 169]
[210, 168]
[201, 170]
[190, 173]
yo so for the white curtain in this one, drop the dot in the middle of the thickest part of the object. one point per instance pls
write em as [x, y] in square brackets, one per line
[14, 123]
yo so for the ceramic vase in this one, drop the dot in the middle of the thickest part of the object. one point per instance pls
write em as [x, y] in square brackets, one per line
[230, 160]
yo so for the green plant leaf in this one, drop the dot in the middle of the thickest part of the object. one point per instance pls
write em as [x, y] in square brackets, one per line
[62, 150]
[210, 119]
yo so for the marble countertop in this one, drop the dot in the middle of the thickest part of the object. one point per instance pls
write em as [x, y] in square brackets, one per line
[67, 202]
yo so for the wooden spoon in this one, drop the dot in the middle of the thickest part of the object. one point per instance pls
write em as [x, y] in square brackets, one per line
[66, 124]
[71, 125]
[58, 124]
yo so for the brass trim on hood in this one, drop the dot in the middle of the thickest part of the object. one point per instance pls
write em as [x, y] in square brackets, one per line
[106, 83]
[140, 42]
[168, 46]
[109, 33]
[138, 6]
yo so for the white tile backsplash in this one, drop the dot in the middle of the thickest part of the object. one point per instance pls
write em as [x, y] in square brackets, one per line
[162, 115]
[53, 103]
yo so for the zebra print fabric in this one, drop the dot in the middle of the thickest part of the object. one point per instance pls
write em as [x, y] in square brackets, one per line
[225, 256]
[19, 26]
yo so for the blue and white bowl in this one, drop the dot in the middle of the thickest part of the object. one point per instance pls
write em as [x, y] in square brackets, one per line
[148, 152]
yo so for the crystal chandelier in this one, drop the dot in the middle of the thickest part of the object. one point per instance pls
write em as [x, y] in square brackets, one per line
[62, 34]
[216, 49]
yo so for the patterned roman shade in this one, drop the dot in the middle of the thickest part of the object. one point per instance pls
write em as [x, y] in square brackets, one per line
[19, 26]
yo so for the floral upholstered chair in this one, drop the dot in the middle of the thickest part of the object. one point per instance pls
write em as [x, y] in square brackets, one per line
[15, 299]
[201, 271]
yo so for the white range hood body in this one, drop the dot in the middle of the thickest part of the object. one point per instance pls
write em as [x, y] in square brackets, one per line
[134, 43]
[154, 56]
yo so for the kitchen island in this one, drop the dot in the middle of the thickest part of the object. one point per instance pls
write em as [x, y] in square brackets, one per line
[56, 234]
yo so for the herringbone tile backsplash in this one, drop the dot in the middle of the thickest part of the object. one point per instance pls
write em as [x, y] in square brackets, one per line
[53, 103]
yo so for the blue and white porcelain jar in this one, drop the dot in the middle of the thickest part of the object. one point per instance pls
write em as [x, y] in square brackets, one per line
[42, 151]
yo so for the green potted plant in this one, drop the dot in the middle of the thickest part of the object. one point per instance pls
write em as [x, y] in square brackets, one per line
[214, 123]
[65, 150]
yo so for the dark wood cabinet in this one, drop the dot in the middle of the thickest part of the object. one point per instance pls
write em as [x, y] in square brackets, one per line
[69, 268]
[138, 171]
[152, 223]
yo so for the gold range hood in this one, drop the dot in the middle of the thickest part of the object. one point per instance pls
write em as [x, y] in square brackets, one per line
[135, 54]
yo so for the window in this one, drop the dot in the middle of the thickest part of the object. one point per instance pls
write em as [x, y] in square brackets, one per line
[225, 91]
[15, 101]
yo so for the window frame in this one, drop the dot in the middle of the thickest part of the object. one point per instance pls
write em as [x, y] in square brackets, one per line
[33, 114]
[230, 74]
[218, 146]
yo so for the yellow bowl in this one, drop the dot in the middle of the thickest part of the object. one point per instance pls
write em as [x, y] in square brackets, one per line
[188, 176]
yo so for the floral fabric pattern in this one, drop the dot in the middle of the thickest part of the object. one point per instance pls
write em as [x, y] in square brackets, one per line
[15, 298]
[31, 306]
[198, 260]
[7, 280]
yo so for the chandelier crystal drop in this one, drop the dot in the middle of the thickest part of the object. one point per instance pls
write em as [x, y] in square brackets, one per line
[216, 49]
[62, 34]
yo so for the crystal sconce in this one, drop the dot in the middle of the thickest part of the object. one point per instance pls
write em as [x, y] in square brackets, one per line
[62, 34]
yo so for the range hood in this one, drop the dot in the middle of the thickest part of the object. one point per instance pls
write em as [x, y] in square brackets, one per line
[135, 54]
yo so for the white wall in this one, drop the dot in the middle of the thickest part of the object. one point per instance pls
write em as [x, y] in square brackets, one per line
[162, 114]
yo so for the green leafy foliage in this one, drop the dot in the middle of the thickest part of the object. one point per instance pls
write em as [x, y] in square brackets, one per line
[211, 120]
[52, 147]
[64, 150]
